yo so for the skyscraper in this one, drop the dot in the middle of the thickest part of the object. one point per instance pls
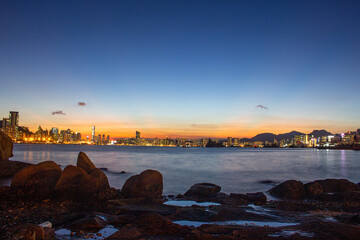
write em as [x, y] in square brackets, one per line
[93, 134]
[137, 135]
[14, 124]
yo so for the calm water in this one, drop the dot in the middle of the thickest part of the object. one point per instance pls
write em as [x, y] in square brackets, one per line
[234, 169]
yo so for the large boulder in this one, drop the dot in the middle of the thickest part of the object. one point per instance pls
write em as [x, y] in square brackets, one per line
[148, 185]
[337, 185]
[37, 180]
[9, 168]
[75, 183]
[290, 189]
[84, 162]
[6, 147]
[203, 190]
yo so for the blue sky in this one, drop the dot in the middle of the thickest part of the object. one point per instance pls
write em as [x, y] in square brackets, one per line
[182, 68]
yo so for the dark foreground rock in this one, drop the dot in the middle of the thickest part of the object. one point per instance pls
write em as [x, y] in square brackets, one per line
[290, 189]
[6, 147]
[203, 190]
[148, 185]
[37, 181]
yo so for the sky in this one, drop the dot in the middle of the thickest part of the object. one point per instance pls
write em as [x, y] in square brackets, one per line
[181, 68]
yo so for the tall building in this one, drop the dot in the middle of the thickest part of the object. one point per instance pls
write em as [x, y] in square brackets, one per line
[137, 135]
[14, 124]
[5, 124]
[93, 134]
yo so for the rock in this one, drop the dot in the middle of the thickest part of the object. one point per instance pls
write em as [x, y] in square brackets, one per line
[148, 184]
[155, 224]
[29, 231]
[337, 185]
[203, 190]
[9, 168]
[290, 189]
[75, 183]
[126, 232]
[138, 208]
[88, 224]
[313, 189]
[348, 218]
[6, 147]
[37, 180]
[84, 162]
[68, 185]
[98, 180]
[257, 198]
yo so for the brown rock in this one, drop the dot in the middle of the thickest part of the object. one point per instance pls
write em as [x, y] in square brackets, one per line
[88, 224]
[9, 168]
[75, 183]
[148, 184]
[203, 190]
[337, 185]
[313, 189]
[84, 162]
[68, 185]
[37, 180]
[6, 147]
[290, 189]
[98, 180]
[156, 224]
[126, 232]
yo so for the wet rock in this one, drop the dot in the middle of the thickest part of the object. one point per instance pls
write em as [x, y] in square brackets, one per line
[6, 147]
[126, 232]
[156, 224]
[258, 198]
[203, 190]
[9, 168]
[104, 169]
[88, 224]
[346, 198]
[37, 180]
[84, 162]
[337, 185]
[148, 185]
[140, 208]
[331, 230]
[313, 189]
[192, 214]
[290, 189]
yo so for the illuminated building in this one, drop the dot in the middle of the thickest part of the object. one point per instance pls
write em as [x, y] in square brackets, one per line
[93, 135]
[229, 142]
[14, 124]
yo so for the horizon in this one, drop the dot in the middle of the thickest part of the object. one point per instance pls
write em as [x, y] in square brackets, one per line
[181, 68]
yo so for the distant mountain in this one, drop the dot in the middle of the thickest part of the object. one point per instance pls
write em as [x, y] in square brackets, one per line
[262, 137]
[319, 133]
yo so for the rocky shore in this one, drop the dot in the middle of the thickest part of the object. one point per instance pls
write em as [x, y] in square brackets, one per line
[46, 202]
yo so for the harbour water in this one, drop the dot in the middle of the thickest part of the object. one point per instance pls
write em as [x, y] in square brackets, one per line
[234, 169]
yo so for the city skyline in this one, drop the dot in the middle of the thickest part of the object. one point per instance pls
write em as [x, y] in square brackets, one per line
[181, 68]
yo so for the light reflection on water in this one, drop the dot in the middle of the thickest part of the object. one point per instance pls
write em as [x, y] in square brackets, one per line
[234, 169]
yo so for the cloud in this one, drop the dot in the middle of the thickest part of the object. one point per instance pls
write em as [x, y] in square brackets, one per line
[58, 112]
[262, 107]
[81, 104]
